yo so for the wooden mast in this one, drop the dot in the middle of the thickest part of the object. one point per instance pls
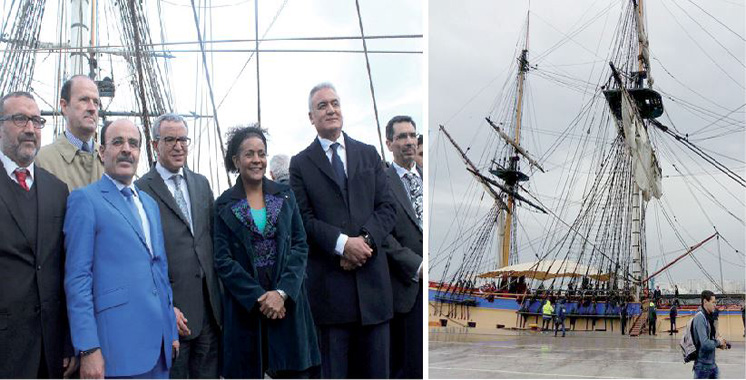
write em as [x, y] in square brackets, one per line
[507, 230]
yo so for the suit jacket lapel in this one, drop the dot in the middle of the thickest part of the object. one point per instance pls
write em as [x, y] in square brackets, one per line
[43, 212]
[6, 197]
[318, 157]
[110, 194]
[155, 181]
[353, 156]
[400, 193]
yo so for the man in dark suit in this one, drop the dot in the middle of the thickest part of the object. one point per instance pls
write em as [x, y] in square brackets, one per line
[119, 299]
[404, 249]
[34, 334]
[347, 211]
[185, 202]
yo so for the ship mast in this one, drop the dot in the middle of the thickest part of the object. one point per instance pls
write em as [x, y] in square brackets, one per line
[639, 263]
[507, 231]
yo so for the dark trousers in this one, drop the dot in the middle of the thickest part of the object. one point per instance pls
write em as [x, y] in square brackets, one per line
[354, 351]
[546, 323]
[673, 324]
[557, 324]
[651, 327]
[623, 322]
[406, 342]
[705, 372]
[198, 357]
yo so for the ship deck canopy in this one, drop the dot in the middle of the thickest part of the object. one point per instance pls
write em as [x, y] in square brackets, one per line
[548, 269]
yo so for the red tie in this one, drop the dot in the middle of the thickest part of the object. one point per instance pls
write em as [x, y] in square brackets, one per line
[21, 177]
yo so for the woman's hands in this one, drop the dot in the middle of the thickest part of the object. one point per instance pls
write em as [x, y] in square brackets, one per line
[272, 305]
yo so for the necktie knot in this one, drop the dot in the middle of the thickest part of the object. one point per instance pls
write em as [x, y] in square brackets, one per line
[21, 175]
[127, 192]
[85, 147]
[177, 180]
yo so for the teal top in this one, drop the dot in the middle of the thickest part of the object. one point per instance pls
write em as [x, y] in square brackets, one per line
[260, 218]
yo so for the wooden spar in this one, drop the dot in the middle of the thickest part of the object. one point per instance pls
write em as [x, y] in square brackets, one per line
[473, 169]
[517, 147]
[692, 249]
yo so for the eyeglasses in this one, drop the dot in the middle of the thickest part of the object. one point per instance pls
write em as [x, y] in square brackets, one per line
[20, 120]
[171, 141]
[118, 142]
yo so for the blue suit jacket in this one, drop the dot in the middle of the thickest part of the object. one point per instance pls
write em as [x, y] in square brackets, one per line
[118, 296]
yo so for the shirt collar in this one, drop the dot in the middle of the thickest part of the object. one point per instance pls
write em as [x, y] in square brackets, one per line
[78, 143]
[400, 171]
[165, 173]
[121, 186]
[325, 143]
[10, 166]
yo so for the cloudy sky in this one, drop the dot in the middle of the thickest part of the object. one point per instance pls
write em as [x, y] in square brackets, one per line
[697, 51]
[285, 77]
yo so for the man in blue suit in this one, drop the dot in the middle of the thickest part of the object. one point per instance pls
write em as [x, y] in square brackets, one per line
[119, 299]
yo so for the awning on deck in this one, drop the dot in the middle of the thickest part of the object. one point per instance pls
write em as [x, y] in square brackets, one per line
[548, 269]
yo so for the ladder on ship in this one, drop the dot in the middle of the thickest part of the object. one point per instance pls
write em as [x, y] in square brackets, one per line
[640, 324]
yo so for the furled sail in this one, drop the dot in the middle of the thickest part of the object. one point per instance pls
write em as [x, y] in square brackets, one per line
[647, 171]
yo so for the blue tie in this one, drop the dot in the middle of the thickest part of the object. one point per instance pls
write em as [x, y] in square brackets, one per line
[339, 169]
[128, 196]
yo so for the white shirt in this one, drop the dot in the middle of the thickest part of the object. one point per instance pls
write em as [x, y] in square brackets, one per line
[140, 209]
[326, 145]
[166, 175]
[10, 168]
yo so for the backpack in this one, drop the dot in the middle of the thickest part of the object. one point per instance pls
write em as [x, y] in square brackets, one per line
[689, 348]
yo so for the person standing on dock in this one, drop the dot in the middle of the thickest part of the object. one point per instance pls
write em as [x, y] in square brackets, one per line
[706, 338]
[672, 314]
[561, 313]
[623, 316]
[652, 317]
[547, 312]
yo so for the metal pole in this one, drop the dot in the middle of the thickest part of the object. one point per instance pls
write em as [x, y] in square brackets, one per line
[258, 91]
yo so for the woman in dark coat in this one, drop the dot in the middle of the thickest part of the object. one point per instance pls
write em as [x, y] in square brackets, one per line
[260, 256]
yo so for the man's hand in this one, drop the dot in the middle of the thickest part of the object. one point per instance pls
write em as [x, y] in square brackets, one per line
[181, 323]
[70, 365]
[272, 305]
[346, 264]
[92, 366]
[356, 251]
[175, 349]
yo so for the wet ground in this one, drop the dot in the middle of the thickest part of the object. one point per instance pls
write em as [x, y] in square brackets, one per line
[458, 353]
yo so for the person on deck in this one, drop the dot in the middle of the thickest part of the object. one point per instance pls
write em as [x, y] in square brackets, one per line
[623, 316]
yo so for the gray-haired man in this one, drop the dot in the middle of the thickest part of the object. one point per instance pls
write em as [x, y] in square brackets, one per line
[185, 201]
[279, 168]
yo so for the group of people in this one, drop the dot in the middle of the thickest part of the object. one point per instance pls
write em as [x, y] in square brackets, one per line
[318, 274]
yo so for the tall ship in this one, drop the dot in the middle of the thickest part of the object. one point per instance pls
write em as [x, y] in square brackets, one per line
[598, 228]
